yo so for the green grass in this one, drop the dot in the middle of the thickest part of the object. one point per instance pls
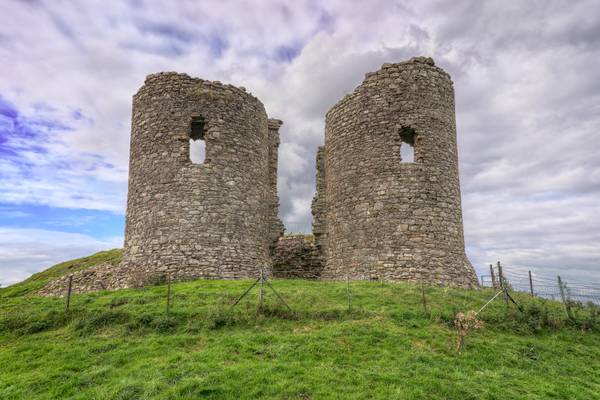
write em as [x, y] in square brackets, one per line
[123, 345]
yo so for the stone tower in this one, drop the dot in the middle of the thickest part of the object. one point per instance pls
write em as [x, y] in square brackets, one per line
[377, 216]
[217, 218]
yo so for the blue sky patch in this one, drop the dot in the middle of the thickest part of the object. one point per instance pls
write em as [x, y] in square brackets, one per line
[8, 109]
[326, 22]
[217, 45]
[165, 30]
[97, 224]
[287, 53]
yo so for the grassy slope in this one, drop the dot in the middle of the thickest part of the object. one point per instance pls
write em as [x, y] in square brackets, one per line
[39, 280]
[122, 345]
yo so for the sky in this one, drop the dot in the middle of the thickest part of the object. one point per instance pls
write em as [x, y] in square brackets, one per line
[526, 77]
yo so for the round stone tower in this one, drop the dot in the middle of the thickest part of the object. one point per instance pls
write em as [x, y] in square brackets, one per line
[216, 217]
[380, 212]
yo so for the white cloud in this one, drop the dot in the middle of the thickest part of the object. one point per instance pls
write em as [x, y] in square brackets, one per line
[527, 82]
[26, 251]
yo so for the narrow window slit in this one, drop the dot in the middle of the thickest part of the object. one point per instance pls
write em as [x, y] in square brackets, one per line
[197, 143]
[407, 144]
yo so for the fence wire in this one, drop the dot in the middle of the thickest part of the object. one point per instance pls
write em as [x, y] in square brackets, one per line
[541, 285]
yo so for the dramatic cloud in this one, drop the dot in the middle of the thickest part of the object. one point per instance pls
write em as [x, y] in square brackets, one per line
[527, 81]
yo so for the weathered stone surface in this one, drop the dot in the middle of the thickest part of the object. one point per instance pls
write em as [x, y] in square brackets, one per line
[276, 228]
[100, 277]
[216, 219]
[319, 206]
[374, 216]
[296, 256]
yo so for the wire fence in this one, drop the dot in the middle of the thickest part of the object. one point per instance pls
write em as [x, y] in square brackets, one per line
[292, 294]
[541, 285]
[296, 290]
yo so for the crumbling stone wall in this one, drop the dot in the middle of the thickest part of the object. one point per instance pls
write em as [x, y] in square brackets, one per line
[293, 257]
[104, 276]
[276, 228]
[375, 216]
[296, 257]
[215, 219]
[319, 206]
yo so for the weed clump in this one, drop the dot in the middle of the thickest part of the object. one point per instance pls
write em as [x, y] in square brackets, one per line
[465, 325]
[118, 302]
[100, 321]
[165, 323]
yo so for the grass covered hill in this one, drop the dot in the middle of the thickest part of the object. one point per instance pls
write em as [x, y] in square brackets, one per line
[37, 281]
[124, 344]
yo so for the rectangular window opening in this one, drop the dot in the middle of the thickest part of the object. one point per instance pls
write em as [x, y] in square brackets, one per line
[407, 144]
[197, 143]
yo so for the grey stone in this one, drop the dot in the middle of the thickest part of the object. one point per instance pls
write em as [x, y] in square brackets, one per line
[374, 215]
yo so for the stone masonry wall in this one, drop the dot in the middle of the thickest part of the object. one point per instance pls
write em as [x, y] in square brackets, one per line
[293, 257]
[216, 219]
[319, 206]
[380, 218]
[296, 257]
[276, 228]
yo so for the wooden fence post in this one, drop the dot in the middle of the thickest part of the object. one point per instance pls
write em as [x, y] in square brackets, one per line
[500, 276]
[349, 292]
[69, 292]
[424, 298]
[531, 284]
[565, 300]
[503, 284]
[493, 276]
[262, 289]
[168, 291]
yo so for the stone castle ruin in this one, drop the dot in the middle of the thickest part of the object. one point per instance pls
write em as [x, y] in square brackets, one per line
[214, 219]
[387, 204]
[388, 196]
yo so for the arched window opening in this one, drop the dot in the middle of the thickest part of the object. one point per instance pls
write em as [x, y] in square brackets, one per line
[407, 144]
[197, 143]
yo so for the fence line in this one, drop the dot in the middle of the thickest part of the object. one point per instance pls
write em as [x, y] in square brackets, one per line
[545, 286]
